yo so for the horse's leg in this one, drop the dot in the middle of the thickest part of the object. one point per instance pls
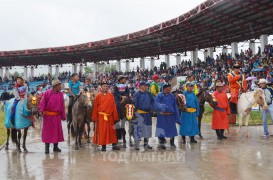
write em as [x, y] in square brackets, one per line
[68, 129]
[131, 133]
[123, 133]
[246, 125]
[88, 132]
[199, 125]
[19, 140]
[240, 124]
[24, 140]
[7, 143]
[80, 134]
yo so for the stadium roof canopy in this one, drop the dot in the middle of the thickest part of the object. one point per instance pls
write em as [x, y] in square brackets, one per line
[212, 23]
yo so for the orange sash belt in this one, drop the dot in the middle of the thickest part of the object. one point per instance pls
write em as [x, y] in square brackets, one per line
[51, 113]
[105, 115]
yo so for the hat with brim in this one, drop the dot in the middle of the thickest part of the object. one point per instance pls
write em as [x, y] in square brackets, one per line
[121, 77]
[55, 82]
[143, 83]
[189, 84]
[262, 81]
[104, 83]
[166, 85]
[236, 66]
[20, 77]
[219, 84]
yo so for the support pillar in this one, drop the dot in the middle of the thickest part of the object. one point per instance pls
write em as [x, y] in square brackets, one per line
[118, 65]
[1, 72]
[50, 69]
[142, 63]
[95, 68]
[25, 73]
[264, 42]
[224, 50]
[252, 46]
[152, 63]
[234, 49]
[210, 52]
[7, 72]
[32, 72]
[194, 56]
[81, 68]
[205, 54]
[167, 60]
[57, 72]
[74, 68]
[127, 65]
[178, 59]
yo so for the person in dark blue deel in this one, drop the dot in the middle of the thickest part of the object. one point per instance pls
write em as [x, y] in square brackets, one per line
[143, 102]
[167, 117]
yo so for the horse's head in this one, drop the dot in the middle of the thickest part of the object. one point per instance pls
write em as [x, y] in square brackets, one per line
[32, 103]
[260, 98]
[90, 97]
[82, 99]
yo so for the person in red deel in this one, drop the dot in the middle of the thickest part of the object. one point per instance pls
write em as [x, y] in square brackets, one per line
[105, 116]
[220, 117]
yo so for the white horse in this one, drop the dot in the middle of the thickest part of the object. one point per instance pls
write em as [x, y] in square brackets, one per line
[244, 106]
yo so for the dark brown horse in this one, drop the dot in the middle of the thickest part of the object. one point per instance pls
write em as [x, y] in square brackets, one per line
[78, 118]
[203, 97]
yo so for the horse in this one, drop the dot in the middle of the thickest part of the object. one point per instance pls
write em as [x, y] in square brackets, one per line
[244, 106]
[88, 113]
[78, 118]
[24, 113]
[122, 132]
[203, 96]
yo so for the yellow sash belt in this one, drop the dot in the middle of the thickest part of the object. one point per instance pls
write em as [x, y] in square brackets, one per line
[105, 115]
[142, 112]
[191, 110]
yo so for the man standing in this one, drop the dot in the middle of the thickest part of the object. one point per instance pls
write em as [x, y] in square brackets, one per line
[53, 110]
[237, 84]
[4, 97]
[268, 99]
[121, 93]
[189, 124]
[168, 117]
[154, 88]
[221, 112]
[143, 102]
[105, 116]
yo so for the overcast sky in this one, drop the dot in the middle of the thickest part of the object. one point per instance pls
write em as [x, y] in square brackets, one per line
[26, 24]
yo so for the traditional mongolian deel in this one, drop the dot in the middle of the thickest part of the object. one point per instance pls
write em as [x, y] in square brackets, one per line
[22, 115]
[168, 116]
[189, 124]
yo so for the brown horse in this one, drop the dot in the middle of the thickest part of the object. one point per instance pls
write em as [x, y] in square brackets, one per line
[203, 96]
[78, 118]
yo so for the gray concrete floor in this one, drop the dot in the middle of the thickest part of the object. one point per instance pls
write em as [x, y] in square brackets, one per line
[234, 158]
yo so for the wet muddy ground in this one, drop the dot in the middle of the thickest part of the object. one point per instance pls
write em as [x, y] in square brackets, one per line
[234, 158]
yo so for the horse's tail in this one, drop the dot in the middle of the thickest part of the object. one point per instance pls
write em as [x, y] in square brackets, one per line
[14, 135]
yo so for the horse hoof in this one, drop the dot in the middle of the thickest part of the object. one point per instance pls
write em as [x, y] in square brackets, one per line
[7, 148]
[88, 141]
[25, 151]
[131, 145]
[76, 148]
[124, 146]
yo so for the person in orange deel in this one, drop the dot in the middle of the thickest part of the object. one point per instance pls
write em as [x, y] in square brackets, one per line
[221, 112]
[105, 116]
[237, 84]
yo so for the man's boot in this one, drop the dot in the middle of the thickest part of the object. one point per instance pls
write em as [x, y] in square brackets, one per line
[161, 143]
[172, 142]
[47, 148]
[146, 145]
[183, 139]
[56, 148]
[137, 145]
[218, 133]
[103, 148]
[193, 140]
[115, 147]
[222, 134]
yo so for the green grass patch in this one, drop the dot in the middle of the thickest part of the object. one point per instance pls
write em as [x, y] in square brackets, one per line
[255, 117]
[3, 132]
